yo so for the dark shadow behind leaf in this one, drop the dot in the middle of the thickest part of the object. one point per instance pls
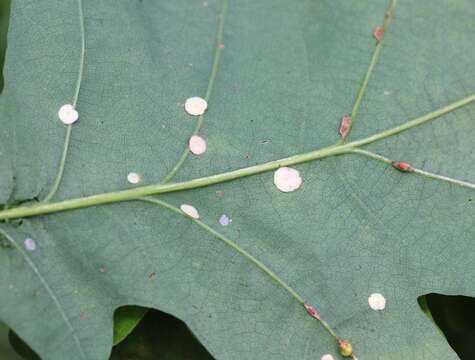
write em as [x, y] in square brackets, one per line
[455, 317]
[6, 350]
[126, 319]
[157, 336]
[160, 336]
[21, 347]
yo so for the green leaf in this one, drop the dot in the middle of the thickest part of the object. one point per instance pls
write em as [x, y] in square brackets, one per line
[455, 317]
[160, 336]
[4, 14]
[286, 75]
[21, 347]
[6, 350]
[125, 320]
[422, 300]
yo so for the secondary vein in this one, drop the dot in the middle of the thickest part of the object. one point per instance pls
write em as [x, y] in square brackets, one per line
[67, 138]
[415, 170]
[245, 254]
[209, 90]
[374, 58]
[48, 289]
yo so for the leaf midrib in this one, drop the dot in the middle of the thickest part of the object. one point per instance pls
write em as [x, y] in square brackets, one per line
[139, 192]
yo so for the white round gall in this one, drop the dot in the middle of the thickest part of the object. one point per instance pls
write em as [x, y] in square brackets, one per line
[190, 211]
[224, 220]
[327, 357]
[195, 106]
[287, 179]
[30, 244]
[197, 145]
[133, 178]
[68, 114]
[377, 302]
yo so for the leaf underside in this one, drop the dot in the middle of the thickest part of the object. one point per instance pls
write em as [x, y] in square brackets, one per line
[289, 71]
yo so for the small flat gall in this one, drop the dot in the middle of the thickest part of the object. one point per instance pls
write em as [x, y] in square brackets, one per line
[133, 178]
[377, 302]
[68, 114]
[30, 244]
[345, 126]
[327, 357]
[402, 166]
[287, 179]
[190, 211]
[195, 106]
[378, 33]
[312, 311]
[197, 145]
[224, 220]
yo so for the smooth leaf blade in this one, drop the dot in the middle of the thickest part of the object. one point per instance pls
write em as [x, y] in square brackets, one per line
[289, 72]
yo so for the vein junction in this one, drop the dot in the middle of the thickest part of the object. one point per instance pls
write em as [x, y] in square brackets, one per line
[138, 192]
[340, 148]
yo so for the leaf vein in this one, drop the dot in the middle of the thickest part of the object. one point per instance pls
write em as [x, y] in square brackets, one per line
[209, 90]
[48, 289]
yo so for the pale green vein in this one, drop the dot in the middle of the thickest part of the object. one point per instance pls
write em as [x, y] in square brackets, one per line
[83, 53]
[48, 289]
[233, 245]
[415, 170]
[372, 155]
[62, 164]
[209, 90]
[374, 59]
[67, 138]
[415, 122]
[139, 192]
[244, 253]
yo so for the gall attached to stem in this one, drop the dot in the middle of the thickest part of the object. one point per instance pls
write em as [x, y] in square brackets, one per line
[346, 349]
[345, 126]
[378, 33]
[402, 166]
[312, 311]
